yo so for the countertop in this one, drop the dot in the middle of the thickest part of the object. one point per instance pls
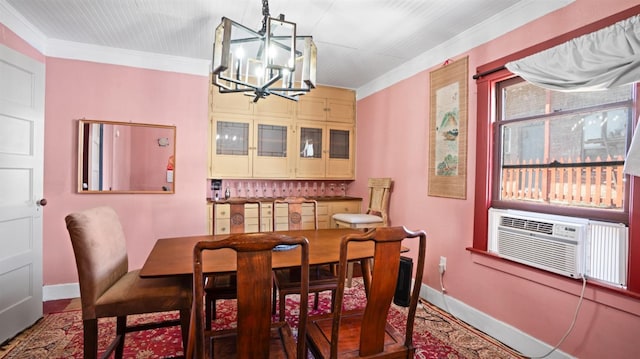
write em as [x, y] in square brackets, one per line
[271, 199]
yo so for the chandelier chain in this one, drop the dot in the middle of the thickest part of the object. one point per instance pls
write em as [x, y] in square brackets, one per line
[265, 16]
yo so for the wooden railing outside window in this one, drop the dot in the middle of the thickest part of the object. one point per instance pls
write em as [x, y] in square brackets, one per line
[575, 182]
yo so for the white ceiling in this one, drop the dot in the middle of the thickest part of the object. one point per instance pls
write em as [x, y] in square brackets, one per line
[359, 41]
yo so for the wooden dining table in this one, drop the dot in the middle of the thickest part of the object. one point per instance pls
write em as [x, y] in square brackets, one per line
[174, 257]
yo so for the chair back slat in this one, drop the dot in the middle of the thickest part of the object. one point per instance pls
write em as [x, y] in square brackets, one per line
[254, 283]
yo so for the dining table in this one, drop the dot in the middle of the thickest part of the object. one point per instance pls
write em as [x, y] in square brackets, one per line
[174, 257]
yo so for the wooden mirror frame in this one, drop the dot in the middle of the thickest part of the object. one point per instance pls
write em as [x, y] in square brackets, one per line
[126, 157]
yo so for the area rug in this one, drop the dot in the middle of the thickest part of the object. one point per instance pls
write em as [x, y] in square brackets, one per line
[59, 335]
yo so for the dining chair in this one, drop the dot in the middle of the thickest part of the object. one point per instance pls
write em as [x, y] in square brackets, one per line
[255, 335]
[366, 332]
[376, 214]
[109, 289]
[293, 213]
[223, 286]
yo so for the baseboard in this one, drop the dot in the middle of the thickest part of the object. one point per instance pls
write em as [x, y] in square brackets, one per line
[60, 291]
[511, 336]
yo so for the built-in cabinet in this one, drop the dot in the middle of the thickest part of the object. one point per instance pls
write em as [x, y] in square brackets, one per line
[221, 219]
[249, 147]
[326, 150]
[278, 138]
[327, 104]
[239, 104]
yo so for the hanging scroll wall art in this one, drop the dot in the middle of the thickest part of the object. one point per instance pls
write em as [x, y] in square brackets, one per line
[448, 130]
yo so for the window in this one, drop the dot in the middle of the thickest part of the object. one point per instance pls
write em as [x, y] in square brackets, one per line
[561, 151]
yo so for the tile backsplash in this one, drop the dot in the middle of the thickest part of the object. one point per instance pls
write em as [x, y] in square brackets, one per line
[279, 188]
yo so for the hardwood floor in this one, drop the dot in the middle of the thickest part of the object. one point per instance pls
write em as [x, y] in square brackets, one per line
[60, 305]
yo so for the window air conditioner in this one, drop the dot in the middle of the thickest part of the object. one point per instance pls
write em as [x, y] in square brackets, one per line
[574, 247]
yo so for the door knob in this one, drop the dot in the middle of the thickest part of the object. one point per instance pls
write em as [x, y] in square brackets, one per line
[42, 202]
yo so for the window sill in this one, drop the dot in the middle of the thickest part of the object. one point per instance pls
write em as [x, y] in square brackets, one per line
[597, 292]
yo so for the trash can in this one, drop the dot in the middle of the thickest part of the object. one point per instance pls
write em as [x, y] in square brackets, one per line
[403, 287]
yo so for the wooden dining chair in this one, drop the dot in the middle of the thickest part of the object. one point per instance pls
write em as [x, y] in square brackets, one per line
[223, 286]
[376, 214]
[109, 289]
[255, 336]
[299, 213]
[366, 332]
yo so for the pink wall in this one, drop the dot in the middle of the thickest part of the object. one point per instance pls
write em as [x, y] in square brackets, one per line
[393, 123]
[77, 89]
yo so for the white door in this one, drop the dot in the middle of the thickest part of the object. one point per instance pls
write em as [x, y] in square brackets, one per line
[21, 177]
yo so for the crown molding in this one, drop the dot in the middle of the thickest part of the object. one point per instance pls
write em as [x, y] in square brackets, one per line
[115, 56]
[12, 19]
[521, 13]
[49, 47]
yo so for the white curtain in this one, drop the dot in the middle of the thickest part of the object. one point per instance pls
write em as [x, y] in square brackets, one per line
[603, 59]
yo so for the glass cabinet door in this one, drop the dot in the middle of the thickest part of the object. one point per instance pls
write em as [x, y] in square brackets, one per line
[310, 159]
[271, 159]
[230, 152]
[340, 162]
[232, 138]
[339, 141]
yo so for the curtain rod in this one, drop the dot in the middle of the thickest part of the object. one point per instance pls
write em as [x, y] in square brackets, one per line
[488, 72]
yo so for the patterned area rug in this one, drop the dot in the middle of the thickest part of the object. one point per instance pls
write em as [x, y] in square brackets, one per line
[59, 335]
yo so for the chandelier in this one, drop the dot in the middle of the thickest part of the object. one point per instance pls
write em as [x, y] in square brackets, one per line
[271, 61]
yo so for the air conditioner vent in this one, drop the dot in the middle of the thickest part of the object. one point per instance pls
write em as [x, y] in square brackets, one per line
[527, 224]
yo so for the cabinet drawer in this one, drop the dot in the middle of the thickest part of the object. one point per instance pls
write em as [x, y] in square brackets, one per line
[251, 211]
[223, 211]
[307, 209]
[345, 207]
[323, 210]
[223, 226]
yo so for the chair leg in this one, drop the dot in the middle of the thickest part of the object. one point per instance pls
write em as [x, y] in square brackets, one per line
[316, 300]
[273, 298]
[90, 328]
[208, 303]
[185, 322]
[121, 326]
[281, 304]
[333, 301]
[349, 274]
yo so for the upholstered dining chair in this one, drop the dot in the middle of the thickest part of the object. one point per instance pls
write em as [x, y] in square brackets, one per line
[376, 214]
[223, 286]
[300, 213]
[109, 289]
[255, 336]
[366, 332]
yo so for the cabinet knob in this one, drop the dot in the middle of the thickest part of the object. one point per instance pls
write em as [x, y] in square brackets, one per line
[223, 213]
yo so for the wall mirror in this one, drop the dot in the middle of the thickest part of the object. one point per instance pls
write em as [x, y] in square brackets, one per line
[122, 157]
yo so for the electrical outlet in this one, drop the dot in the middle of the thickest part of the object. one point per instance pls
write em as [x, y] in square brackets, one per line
[443, 264]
